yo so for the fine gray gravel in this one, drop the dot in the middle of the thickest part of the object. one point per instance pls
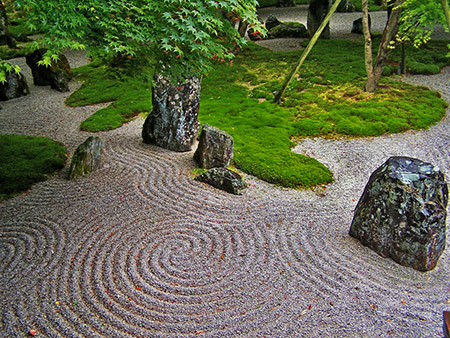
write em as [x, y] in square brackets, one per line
[140, 249]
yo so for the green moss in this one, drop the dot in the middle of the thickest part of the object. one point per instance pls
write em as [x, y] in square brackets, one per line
[25, 160]
[128, 89]
[326, 99]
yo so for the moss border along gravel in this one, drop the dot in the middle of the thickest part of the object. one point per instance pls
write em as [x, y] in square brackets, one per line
[128, 88]
[325, 100]
[25, 160]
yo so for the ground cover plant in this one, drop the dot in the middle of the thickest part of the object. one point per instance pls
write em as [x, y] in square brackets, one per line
[127, 86]
[25, 160]
[325, 100]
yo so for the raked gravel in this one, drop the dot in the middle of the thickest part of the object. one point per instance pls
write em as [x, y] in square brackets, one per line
[140, 249]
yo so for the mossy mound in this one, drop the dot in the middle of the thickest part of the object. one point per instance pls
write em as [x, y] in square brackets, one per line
[25, 160]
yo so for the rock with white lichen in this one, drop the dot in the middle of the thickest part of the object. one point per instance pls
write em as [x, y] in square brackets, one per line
[402, 213]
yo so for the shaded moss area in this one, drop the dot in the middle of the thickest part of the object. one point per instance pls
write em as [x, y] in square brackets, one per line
[25, 160]
[127, 87]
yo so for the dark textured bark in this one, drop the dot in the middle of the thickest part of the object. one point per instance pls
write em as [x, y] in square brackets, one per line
[173, 123]
[389, 33]
[5, 36]
[390, 30]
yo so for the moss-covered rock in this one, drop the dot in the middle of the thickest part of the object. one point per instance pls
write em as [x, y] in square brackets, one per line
[87, 158]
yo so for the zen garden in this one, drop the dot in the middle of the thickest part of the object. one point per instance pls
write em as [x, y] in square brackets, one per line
[224, 168]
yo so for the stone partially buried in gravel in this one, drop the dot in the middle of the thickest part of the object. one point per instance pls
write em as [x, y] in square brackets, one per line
[288, 30]
[215, 148]
[402, 213]
[87, 157]
[57, 75]
[223, 179]
[14, 87]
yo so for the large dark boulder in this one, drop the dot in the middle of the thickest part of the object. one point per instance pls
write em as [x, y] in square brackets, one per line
[317, 11]
[402, 213]
[15, 86]
[289, 30]
[57, 75]
[87, 158]
[346, 6]
[215, 148]
[173, 123]
[271, 22]
[357, 26]
[223, 179]
[285, 3]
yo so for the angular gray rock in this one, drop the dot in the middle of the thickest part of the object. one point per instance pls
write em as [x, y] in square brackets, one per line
[87, 158]
[215, 148]
[15, 86]
[223, 179]
[402, 213]
[57, 75]
[173, 123]
[317, 11]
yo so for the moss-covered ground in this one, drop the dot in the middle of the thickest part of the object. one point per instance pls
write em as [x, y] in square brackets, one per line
[25, 160]
[326, 99]
[127, 87]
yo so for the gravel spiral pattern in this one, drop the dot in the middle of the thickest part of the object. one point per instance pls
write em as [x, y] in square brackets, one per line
[140, 249]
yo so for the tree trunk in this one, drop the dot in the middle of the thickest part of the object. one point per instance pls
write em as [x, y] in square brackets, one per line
[390, 30]
[5, 36]
[370, 84]
[306, 52]
[446, 12]
[173, 123]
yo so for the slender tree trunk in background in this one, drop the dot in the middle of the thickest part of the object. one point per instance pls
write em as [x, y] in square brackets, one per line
[389, 33]
[446, 12]
[368, 58]
[4, 31]
[306, 52]
[402, 64]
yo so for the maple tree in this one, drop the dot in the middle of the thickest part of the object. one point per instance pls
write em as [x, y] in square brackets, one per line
[419, 18]
[182, 36]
